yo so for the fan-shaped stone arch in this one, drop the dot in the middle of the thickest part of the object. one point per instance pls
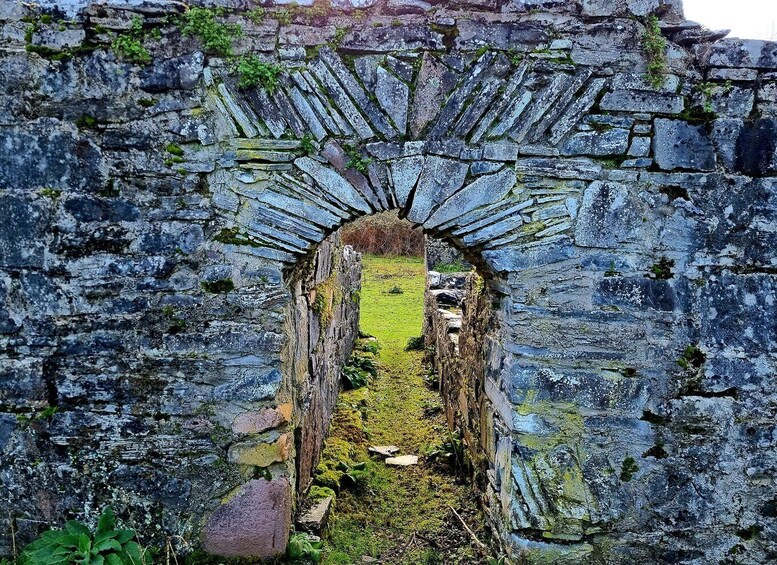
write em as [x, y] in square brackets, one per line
[498, 164]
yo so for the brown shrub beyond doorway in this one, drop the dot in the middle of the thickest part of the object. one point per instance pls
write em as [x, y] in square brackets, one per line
[384, 234]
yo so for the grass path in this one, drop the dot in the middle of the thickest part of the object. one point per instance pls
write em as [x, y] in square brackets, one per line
[397, 516]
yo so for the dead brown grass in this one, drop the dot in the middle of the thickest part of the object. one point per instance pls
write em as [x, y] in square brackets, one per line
[384, 234]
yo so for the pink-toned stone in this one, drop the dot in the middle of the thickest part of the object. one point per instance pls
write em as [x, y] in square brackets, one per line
[254, 522]
[260, 421]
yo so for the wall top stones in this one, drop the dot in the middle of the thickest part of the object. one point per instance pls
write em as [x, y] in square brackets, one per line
[670, 9]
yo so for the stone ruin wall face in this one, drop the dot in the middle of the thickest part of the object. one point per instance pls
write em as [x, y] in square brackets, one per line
[152, 321]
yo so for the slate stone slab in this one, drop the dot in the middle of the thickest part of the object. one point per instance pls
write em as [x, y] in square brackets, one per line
[344, 104]
[680, 145]
[335, 184]
[611, 142]
[579, 168]
[641, 293]
[377, 119]
[44, 154]
[439, 179]
[7, 426]
[404, 175]
[485, 190]
[642, 101]
[434, 81]
[756, 148]
[393, 97]
[181, 73]
[22, 239]
[606, 217]
[738, 53]
[457, 100]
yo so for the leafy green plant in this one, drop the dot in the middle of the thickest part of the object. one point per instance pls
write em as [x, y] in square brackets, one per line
[256, 15]
[317, 10]
[365, 364]
[369, 347]
[216, 37]
[174, 149]
[358, 371]
[628, 469]
[252, 71]
[77, 544]
[432, 378]
[354, 378]
[415, 343]
[339, 35]
[396, 289]
[86, 122]
[304, 548]
[662, 269]
[131, 50]
[129, 46]
[654, 46]
[692, 356]
[355, 160]
[286, 15]
[515, 57]
[451, 450]
[52, 193]
[611, 270]
[354, 474]
[307, 145]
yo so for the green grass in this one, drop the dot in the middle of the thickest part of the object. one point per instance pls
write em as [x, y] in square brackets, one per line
[393, 318]
[380, 518]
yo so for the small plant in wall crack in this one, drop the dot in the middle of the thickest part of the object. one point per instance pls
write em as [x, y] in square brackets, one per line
[662, 270]
[252, 71]
[355, 160]
[692, 357]
[654, 46]
[216, 37]
[307, 144]
[129, 46]
[628, 469]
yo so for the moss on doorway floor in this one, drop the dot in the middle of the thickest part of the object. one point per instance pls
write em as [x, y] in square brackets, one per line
[396, 515]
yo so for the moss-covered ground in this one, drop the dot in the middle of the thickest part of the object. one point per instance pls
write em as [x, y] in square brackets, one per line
[396, 515]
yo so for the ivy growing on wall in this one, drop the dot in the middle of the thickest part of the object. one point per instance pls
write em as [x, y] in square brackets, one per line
[654, 46]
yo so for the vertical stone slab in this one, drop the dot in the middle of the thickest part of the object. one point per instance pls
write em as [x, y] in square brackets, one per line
[253, 521]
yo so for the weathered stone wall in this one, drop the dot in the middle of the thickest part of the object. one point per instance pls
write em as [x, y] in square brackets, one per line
[153, 215]
[323, 327]
[462, 340]
[438, 253]
[281, 444]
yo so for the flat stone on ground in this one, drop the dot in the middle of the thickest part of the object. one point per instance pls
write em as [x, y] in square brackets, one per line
[384, 450]
[402, 460]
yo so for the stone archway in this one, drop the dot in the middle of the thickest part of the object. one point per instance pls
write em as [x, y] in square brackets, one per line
[512, 158]
[456, 179]
[154, 210]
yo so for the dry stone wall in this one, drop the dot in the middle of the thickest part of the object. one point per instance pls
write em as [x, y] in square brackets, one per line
[154, 212]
